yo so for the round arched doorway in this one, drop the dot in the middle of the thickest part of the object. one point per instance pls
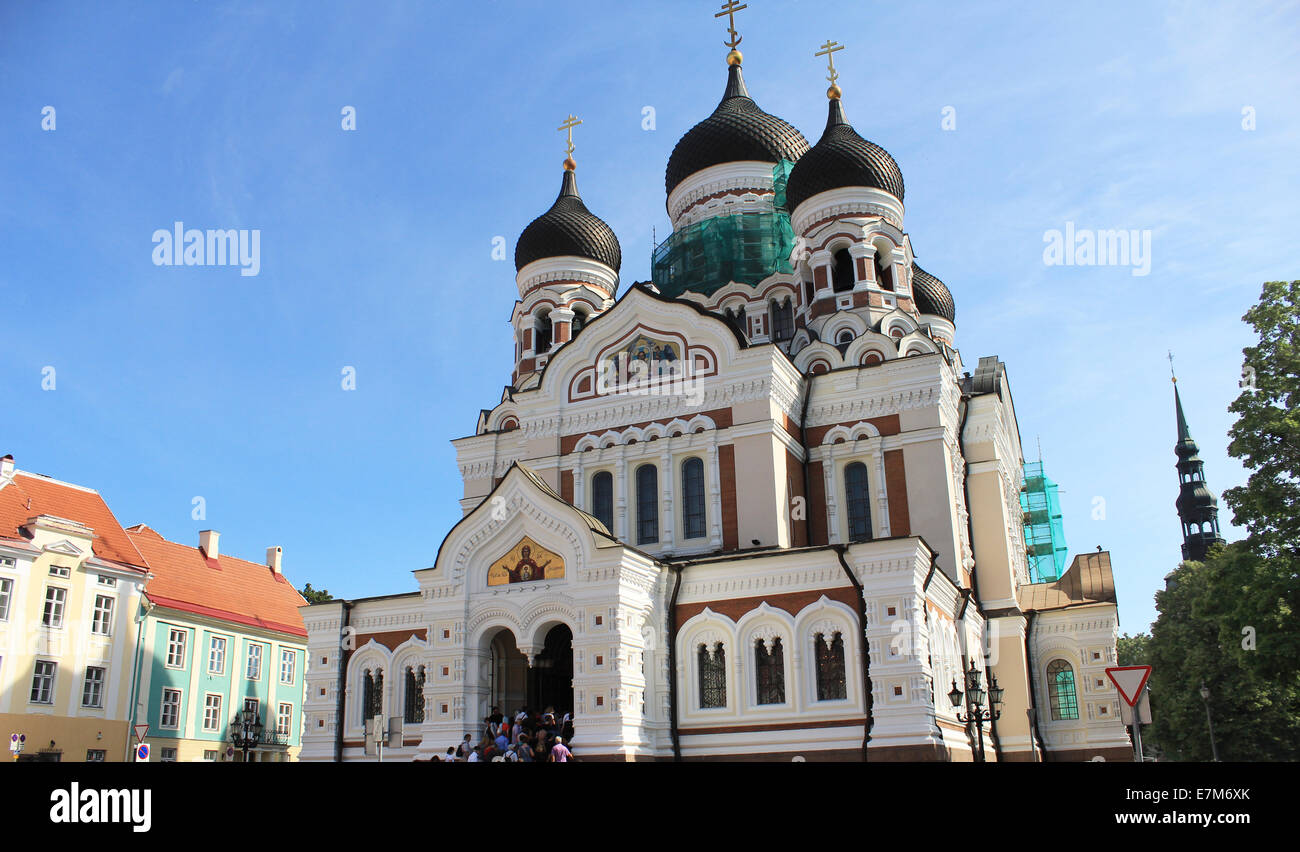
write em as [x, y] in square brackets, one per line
[551, 680]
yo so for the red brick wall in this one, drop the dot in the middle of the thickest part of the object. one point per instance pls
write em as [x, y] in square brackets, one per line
[817, 503]
[791, 602]
[727, 473]
[887, 425]
[566, 485]
[900, 521]
[721, 417]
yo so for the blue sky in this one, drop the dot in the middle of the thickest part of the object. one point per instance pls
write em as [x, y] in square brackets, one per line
[376, 244]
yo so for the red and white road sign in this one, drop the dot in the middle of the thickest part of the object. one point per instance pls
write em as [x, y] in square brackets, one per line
[1130, 681]
[140, 731]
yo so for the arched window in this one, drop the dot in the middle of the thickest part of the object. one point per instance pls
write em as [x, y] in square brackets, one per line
[647, 504]
[884, 273]
[858, 498]
[372, 698]
[713, 676]
[842, 274]
[769, 666]
[414, 695]
[579, 323]
[844, 338]
[1060, 690]
[782, 319]
[542, 333]
[693, 498]
[602, 498]
[829, 654]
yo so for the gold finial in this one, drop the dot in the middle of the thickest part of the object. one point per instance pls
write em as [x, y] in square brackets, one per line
[828, 50]
[1172, 374]
[730, 8]
[568, 125]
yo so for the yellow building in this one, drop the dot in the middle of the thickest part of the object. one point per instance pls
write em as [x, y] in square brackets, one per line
[70, 590]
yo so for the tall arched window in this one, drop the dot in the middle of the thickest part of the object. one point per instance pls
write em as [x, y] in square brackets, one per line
[414, 695]
[782, 319]
[542, 333]
[858, 498]
[647, 504]
[884, 273]
[602, 498]
[579, 323]
[713, 676]
[693, 498]
[1060, 690]
[769, 667]
[372, 697]
[842, 273]
[829, 654]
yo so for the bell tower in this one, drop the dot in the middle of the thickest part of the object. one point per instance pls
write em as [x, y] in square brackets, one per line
[1198, 509]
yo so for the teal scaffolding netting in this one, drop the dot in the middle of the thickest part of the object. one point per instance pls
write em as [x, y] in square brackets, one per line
[741, 247]
[1044, 526]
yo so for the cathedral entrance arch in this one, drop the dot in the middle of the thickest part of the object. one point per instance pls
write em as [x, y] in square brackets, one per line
[545, 684]
[508, 676]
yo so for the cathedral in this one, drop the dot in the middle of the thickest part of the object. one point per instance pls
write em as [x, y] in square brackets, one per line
[757, 507]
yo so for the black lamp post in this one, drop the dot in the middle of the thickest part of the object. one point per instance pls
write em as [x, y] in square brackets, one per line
[1205, 696]
[975, 713]
[246, 732]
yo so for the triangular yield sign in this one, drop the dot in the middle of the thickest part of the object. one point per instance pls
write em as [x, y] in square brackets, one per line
[1129, 680]
[140, 731]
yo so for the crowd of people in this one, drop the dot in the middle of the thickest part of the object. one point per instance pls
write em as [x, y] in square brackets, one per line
[527, 737]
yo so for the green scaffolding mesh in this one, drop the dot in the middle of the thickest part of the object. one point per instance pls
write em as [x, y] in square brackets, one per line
[1044, 526]
[741, 247]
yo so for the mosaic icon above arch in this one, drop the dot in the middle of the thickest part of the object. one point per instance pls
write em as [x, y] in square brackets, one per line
[526, 562]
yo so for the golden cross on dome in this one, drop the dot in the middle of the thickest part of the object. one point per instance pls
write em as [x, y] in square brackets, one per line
[828, 50]
[569, 124]
[730, 8]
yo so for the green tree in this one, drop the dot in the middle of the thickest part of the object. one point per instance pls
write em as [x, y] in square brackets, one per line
[1133, 650]
[315, 596]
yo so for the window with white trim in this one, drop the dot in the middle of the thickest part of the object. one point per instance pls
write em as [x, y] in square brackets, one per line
[102, 621]
[210, 754]
[6, 592]
[170, 716]
[7, 562]
[92, 692]
[254, 669]
[255, 705]
[54, 601]
[288, 662]
[43, 682]
[168, 755]
[94, 755]
[284, 719]
[217, 655]
[176, 649]
[110, 582]
[212, 712]
[60, 571]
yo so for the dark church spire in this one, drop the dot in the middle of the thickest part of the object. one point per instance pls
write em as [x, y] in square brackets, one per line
[1197, 507]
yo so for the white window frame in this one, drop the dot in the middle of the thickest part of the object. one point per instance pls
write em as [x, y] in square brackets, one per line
[86, 683]
[256, 708]
[212, 712]
[60, 603]
[48, 681]
[101, 623]
[212, 647]
[176, 649]
[60, 571]
[210, 754]
[110, 582]
[289, 656]
[284, 721]
[95, 755]
[167, 755]
[162, 709]
[248, 661]
[6, 596]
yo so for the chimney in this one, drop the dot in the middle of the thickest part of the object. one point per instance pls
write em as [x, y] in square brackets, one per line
[208, 540]
[273, 559]
[7, 467]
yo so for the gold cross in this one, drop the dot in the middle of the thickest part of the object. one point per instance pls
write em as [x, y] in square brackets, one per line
[828, 50]
[569, 124]
[730, 8]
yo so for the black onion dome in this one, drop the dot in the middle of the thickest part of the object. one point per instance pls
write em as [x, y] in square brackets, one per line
[932, 296]
[568, 229]
[737, 130]
[842, 158]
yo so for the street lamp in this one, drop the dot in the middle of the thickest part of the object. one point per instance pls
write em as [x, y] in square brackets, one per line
[246, 731]
[975, 713]
[1205, 696]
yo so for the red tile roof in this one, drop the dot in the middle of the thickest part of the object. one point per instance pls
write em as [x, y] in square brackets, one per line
[29, 495]
[234, 589]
